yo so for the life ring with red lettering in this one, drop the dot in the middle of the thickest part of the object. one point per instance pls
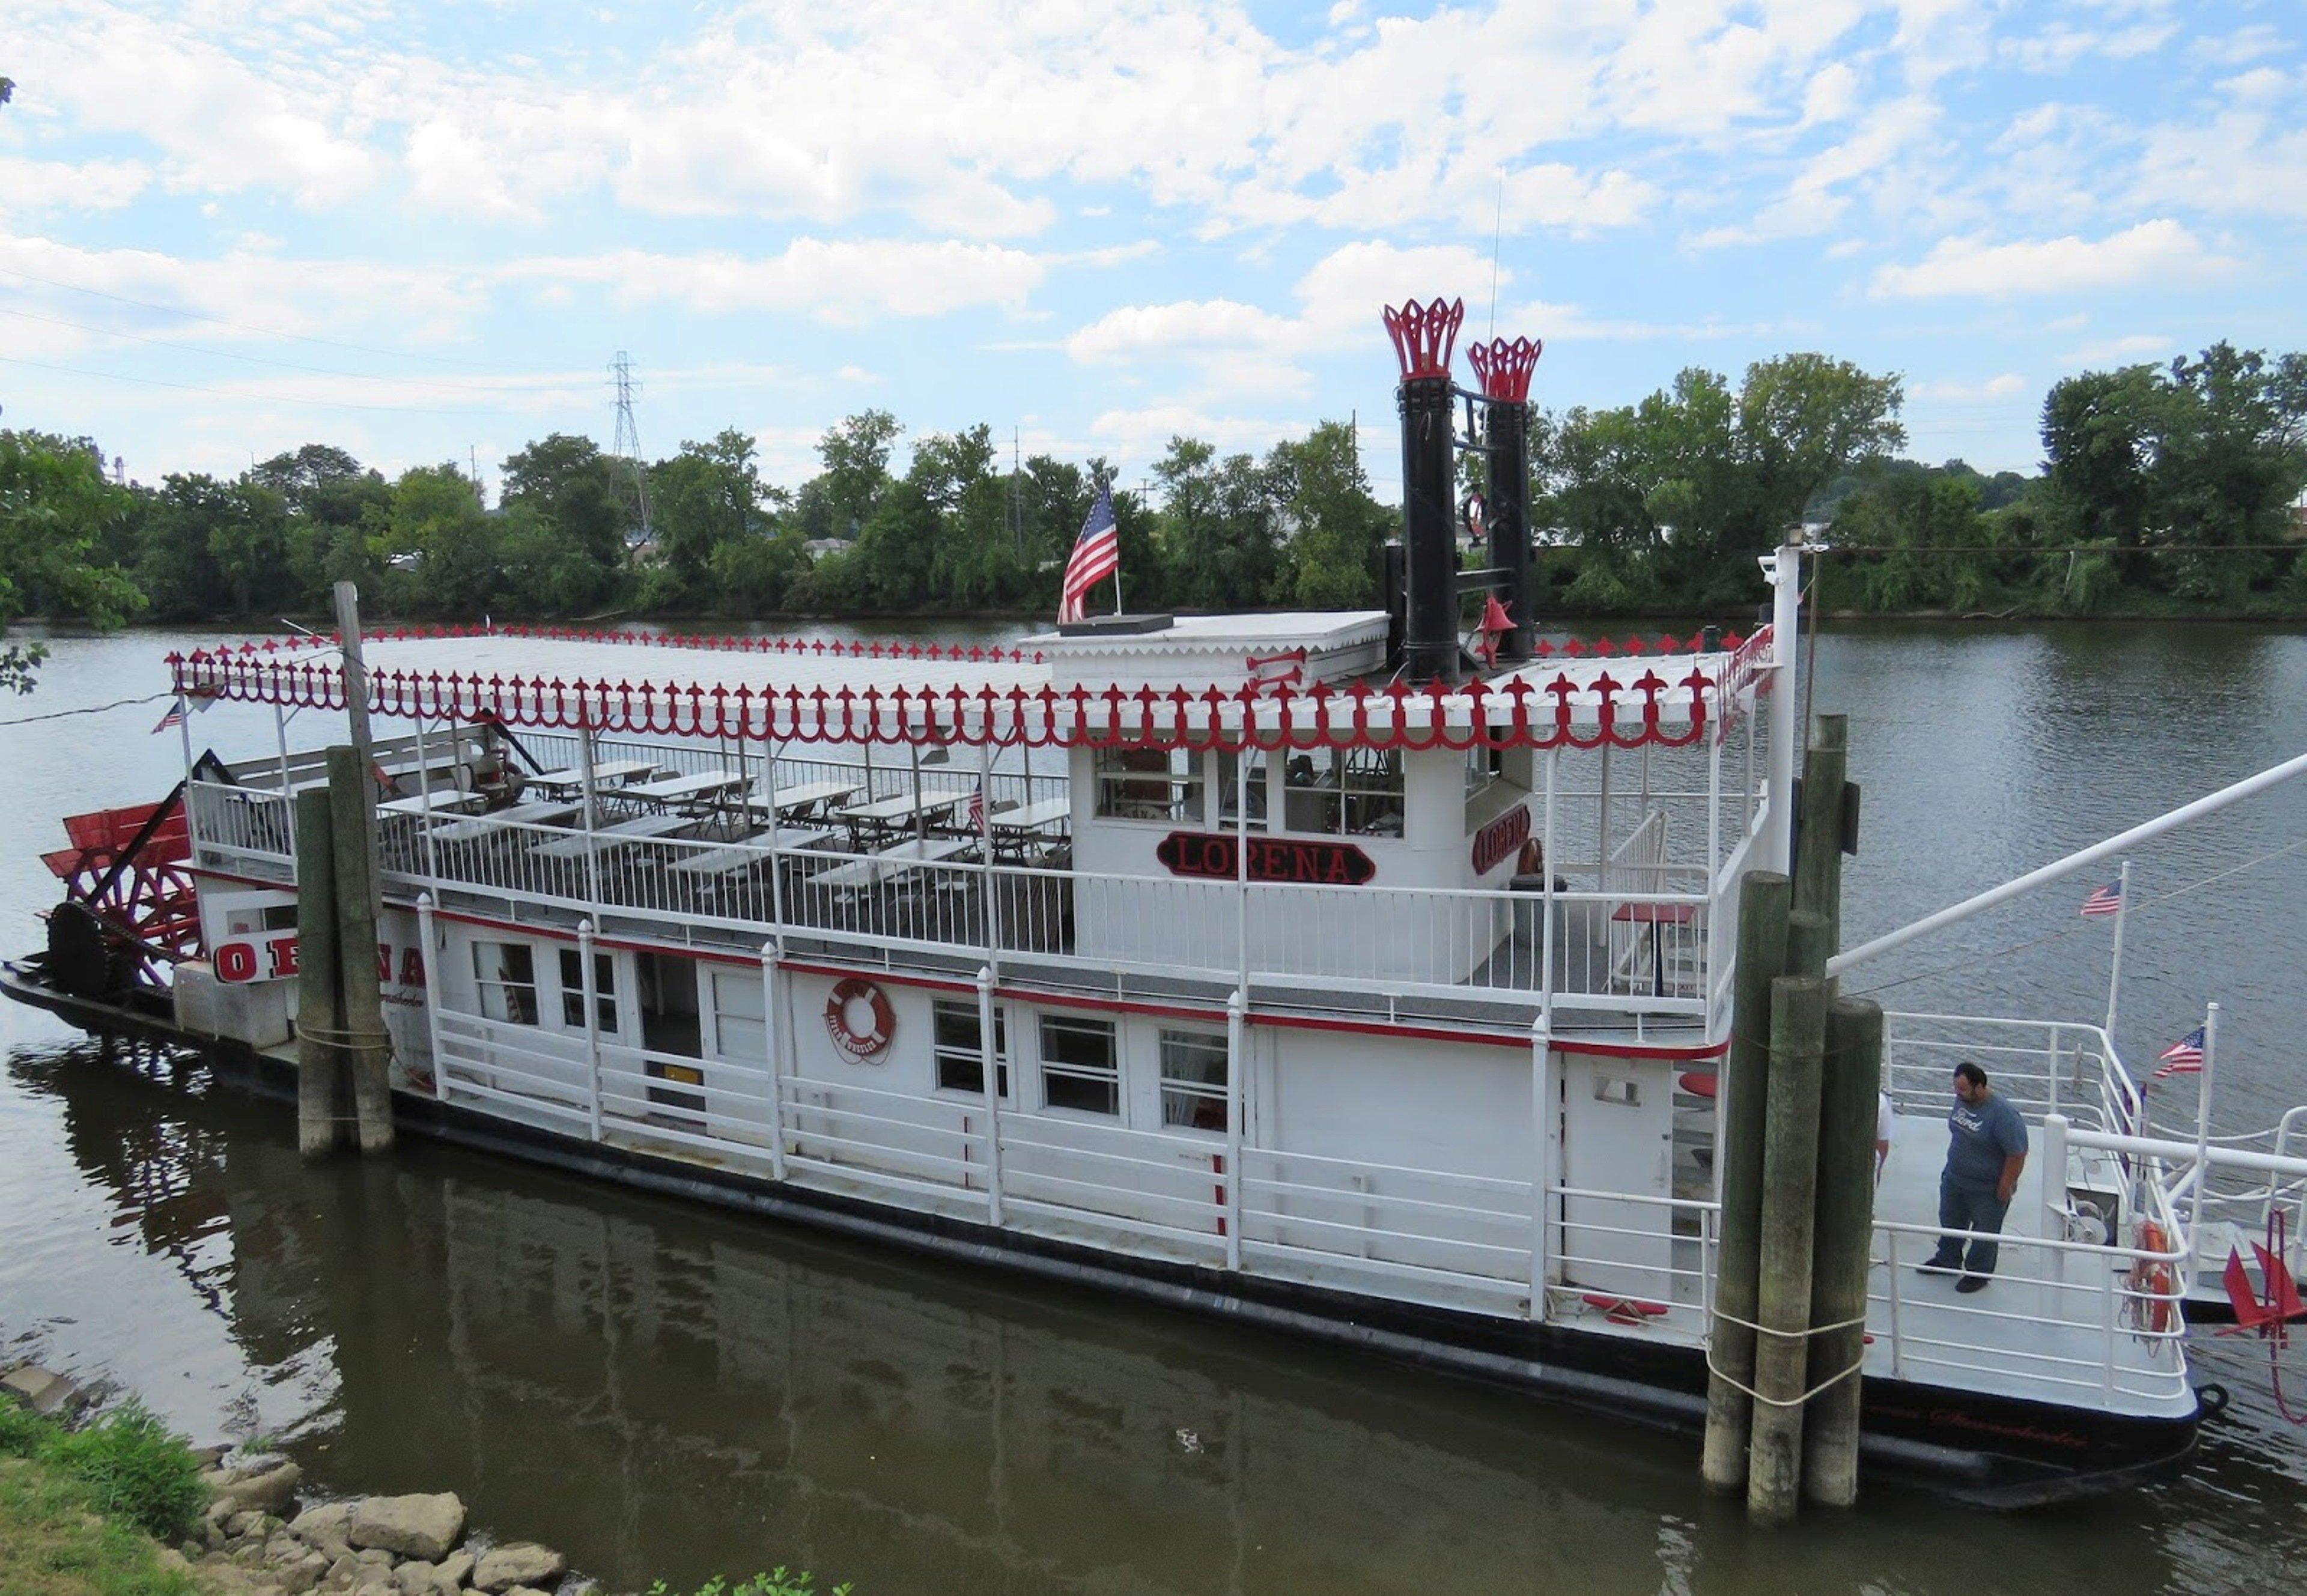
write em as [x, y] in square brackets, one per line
[859, 1020]
[2154, 1286]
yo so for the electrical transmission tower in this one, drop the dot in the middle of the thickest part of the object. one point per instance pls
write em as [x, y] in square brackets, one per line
[627, 446]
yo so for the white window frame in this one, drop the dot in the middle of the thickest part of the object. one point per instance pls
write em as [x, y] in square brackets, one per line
[1107, 1075]
[572, 991]
[1198, 1095]
[485, 953]
[1353, 795]
[960, 1009]
[1173, 793]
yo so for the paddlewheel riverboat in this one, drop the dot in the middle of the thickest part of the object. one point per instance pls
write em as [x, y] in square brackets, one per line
[1299, 968]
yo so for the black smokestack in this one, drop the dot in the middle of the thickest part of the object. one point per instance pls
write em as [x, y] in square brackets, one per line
[1423, 338]
[1504, 370]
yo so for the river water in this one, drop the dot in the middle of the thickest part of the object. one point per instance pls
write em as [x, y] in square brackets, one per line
[665, 1390]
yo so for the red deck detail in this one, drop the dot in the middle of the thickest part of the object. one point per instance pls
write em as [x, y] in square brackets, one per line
[1423, 335]
[1505, 368]
[129, 868]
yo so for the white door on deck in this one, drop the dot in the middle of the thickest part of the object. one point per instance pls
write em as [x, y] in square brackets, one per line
[1618, 1136]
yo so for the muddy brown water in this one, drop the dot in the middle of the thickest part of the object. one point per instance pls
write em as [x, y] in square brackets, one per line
[662, 1389]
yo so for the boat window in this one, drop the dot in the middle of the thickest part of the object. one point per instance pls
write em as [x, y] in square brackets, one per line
[739, 1032]
[1149, 783]
[507, 975]
[1229, 790]
[1350, 792]
[604, 991]
[1081, 1066]
[1194, 1079]
[960, 1048]
[1482, 768]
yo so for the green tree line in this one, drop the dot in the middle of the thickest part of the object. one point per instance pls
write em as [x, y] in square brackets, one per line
[2162, 487]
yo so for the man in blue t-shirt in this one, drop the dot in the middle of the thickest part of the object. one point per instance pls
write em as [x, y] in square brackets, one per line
[1988, 1149]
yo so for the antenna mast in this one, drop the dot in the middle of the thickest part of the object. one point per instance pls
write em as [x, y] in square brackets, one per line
[627, 446]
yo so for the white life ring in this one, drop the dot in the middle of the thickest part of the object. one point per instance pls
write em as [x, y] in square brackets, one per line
[859, 1019]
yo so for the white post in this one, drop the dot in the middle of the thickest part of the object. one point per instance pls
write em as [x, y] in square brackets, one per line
[1241, 862]
[1237, 1085]
[584, 787]
[1541, 1168]
[990, 1062]
[2052, 1071]
[2054, 1192]
[280, 737]
[777, 855]
[425, 790]
[1602, 813]
[1546, 890]
[1784, 569]
[774, 1030]
[425, 939]
[2202, 1133]
[985, 849]
[2114, 964]
[587, 984]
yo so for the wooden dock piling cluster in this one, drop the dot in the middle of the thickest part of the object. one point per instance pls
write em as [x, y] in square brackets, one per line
[343, 1093]
[1797, 1143]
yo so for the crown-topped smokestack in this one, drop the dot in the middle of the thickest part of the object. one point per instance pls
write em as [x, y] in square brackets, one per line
[1504, 370]
[1423, 336]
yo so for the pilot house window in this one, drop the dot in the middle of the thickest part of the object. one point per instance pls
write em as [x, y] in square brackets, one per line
[1149, 783]
[1350, 792]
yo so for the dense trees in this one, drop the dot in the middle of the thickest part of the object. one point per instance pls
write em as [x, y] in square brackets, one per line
[2164, 488]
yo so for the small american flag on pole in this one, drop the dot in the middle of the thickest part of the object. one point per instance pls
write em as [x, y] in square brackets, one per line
[977, 808]
[174, 717]
[1097, 555]
[2107, 900]
[2184, 1056]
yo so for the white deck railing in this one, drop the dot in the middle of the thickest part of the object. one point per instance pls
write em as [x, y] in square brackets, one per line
[1637, 951]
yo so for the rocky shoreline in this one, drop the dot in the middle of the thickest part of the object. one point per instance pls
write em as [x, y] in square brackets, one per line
[369, 1546]
[259, 1535]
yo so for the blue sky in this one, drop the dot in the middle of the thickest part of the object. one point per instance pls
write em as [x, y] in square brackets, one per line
[227, 228]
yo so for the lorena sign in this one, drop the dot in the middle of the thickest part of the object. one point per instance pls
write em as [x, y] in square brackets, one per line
[1209, 855]
[272, 956]
[1496, 842]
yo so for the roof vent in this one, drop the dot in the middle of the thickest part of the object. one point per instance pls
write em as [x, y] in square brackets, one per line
[1116, 626]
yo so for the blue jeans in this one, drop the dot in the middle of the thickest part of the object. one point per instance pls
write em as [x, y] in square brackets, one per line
[1964, 1207]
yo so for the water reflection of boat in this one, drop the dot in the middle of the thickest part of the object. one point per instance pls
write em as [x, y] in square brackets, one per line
[1349, 999]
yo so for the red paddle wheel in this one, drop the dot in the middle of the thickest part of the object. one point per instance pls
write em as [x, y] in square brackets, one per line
[129, 906]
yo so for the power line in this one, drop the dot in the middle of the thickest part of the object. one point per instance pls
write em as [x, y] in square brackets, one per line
[173, 310]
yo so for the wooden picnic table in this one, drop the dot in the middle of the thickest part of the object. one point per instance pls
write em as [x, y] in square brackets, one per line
[898, 859]
[1013, 829]
[701, 788]
[548, 812]
[884, 817]
[752, 851]
[622, 834]
[612, 773]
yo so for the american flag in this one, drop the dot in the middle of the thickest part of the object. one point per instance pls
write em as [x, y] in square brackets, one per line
[977, 808]
[1097, 555]
[2184, 1056]
[2107, 900]
[174, 718]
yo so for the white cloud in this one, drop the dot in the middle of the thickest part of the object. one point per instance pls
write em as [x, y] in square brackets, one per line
[30, 186]
[839, 280]
[2154, 252]
[2125, 350]
[2008, 385]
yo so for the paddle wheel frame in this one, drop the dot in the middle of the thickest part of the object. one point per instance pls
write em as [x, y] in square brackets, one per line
[128, 879]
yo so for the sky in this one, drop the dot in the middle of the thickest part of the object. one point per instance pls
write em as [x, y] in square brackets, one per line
[423, 232]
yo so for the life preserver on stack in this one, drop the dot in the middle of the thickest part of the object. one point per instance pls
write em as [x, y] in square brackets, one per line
[2154, 1306]
[852, 1002]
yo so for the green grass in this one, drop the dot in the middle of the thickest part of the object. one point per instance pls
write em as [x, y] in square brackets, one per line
[53, 1543]
[78, 1509]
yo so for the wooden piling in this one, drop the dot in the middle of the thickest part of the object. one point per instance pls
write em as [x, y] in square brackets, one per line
[1842, 1244]
[351, 800]
[322, 1100]
[1819, 836]
[1810, 943]
[1783, 1268]
[1741, 1096]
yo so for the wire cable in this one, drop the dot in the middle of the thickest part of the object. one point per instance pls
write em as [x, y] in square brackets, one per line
[149, 698]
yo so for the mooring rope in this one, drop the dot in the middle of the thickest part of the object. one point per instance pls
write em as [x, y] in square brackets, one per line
[1804, 1335]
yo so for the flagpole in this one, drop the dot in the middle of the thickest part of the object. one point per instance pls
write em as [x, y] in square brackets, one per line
[2202, 1135]
[2114, 969]
[1116, 564]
